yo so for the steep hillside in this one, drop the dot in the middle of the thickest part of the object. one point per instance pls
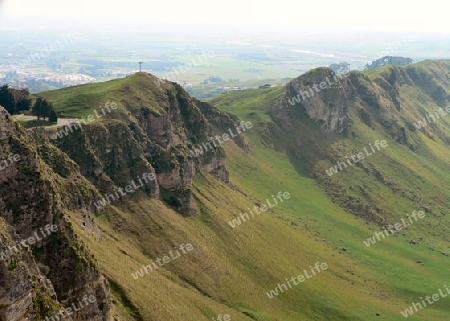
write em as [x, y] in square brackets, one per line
[407, 175]
[44, 266]
[189, 243]
[155, 128]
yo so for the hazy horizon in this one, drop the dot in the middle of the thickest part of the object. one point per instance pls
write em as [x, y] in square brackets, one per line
[326, 15]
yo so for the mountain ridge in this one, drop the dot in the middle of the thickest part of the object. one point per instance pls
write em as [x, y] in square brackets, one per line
[326, 219]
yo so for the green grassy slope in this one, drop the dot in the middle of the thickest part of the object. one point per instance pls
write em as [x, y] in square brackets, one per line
[82, 100]
[230, 270]
[406, 181]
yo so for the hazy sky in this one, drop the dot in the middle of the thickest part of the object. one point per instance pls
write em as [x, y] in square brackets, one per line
[333, 14]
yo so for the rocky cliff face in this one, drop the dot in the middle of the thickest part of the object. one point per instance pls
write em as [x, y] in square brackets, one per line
[157, 136]
[72, 171]
[47, 271]
[390, 102]
[324, 96]
[330, 107]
